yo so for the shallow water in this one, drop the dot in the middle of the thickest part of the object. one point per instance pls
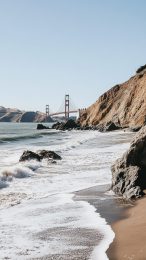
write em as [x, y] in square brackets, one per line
[44, 219]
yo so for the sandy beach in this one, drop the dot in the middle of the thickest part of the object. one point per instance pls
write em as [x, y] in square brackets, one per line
[130, 234]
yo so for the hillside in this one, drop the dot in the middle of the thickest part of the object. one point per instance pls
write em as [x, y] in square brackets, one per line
[124, 104]
[16, 115]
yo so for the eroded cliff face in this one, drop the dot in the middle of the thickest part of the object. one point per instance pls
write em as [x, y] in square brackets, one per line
[124, 104]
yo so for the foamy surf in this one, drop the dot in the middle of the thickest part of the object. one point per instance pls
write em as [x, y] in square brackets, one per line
[47, 217]
[99, 251]
[53, 223]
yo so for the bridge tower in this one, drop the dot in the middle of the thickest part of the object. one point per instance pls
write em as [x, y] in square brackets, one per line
[66, 107]
[47, 112]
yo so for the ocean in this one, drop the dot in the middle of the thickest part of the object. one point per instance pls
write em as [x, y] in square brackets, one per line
[40, 219]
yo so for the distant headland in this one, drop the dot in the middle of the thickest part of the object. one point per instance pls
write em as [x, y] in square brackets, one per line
[16, 115]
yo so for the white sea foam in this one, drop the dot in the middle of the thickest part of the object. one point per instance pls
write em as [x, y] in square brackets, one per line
[72, 140]
[99, 251]
[32, 164]
[58, 213]
[16, 171]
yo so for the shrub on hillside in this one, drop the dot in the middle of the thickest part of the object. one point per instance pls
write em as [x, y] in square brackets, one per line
[141, 68]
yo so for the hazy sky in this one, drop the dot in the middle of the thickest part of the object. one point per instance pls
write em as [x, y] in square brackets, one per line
[79, 47]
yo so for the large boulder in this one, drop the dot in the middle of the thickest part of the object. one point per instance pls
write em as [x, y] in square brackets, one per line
[29, 155]
[129, 172]
[44, 154]
[40, 155]
[41, 127]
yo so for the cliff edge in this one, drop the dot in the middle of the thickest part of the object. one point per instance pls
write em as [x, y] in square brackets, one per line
[124, 104]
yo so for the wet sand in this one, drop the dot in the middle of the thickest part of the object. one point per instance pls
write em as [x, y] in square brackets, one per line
[113, 209]
[85, 239]
[130, 239]
[82, 241]
[108, 206]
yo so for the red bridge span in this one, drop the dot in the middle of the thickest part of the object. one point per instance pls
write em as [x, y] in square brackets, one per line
[66, 110]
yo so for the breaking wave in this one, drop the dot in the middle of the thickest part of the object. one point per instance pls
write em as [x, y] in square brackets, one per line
[9, 173]
[19, 171]
[8, 139]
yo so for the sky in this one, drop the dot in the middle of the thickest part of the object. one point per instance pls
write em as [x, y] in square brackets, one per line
[49, 48]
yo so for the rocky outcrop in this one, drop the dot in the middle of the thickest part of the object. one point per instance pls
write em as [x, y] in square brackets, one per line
[41, 127]
[44, 154]
[110, 126]
[129, 172]
[135, 129]
[124, 104]
[16, 115]
[29, 155]
[40, 155]
[70, 124]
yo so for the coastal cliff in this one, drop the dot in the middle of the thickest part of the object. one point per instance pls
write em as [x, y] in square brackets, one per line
[124, 104]
[16, 115]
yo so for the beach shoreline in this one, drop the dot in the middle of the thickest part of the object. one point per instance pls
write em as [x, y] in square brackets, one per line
[130, 234]
[110, 207]
[126, 219]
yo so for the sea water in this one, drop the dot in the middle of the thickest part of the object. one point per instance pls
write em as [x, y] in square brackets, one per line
[38, 214]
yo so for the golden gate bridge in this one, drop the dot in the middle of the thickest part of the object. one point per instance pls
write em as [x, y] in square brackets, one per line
[66, 109]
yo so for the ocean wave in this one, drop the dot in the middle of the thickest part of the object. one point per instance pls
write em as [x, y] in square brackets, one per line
[75, 139]
[16, 171]
[3, 184]
[32, 164]
[37, 135]
[19, 171]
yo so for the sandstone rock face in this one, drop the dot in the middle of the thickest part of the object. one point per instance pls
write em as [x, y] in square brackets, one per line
[129, 172]
[124, 104]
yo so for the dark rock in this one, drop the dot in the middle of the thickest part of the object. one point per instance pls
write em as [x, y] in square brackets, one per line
[110, 126]
[70, 124]
[135, 129]
[41, 127]
[29, 155]
[58, 126]
[129, 172]
[101, 127]
[44, 154]
[127, 182]
[87, 127]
